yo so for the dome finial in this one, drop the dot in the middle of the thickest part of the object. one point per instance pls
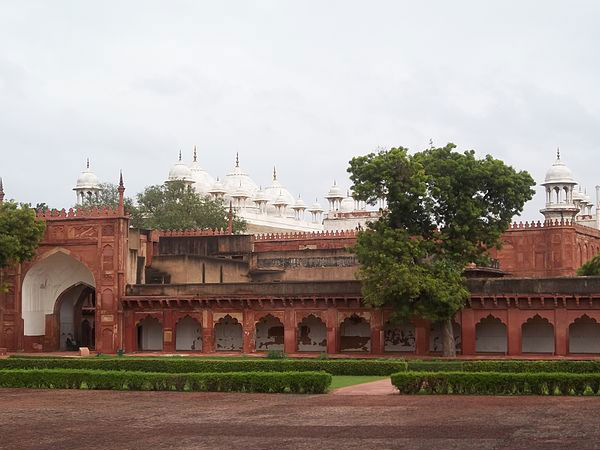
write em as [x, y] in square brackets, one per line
[274, 174]
[87, 163]
[194, 153]
[179, 155]
[558, 153]
[237, 159]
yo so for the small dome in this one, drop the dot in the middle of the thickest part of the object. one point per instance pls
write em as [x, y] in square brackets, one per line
[559, 173]
[347, 205]
[87, 179]
[281, 200]
[240, 192]
[335, 192]
[261, 196]
[203, 182]
[180, 172]
[237, 176]
[315, 207]
[299, 204]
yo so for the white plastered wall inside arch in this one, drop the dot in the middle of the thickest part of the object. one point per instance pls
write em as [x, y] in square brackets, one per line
[44, 283]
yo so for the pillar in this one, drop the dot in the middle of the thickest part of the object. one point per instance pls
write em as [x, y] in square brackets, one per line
[376, 327]
[421, 337]
[168, 332]
[513, 330]
[129, 332]
[248, 332]
[561, 332]
[208, 332]
[289, 331]
[467, 328]
[332, 331]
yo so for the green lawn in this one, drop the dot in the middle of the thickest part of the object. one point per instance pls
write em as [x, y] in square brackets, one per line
[349, 380]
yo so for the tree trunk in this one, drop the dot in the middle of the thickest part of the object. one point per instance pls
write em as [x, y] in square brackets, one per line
[448, 344]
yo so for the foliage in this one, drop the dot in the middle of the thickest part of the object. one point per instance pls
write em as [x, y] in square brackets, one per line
[266, 382]
[496, 383]
[276, 354]
[590, 268]
[515, 366]
[188, 365]
[108, 197]
[445, 209]
[20, 233]
[175, 206]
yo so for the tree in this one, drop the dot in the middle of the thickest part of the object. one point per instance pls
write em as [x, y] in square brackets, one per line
[20, 234]
[590, 268]
[176, 206]
[445, 209]
[108, 197]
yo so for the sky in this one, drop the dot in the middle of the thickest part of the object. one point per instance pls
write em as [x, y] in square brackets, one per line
[302, 85]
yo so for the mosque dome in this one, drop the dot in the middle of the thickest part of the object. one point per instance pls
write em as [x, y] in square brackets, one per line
[180, 172]
[335, 192]
[299, 203]
[87, 179]
[347, 204]
[281, 200]
[238, 177]
[240, 192]
[203, 182]
[315, 207]
[277, 190]
[559, 173]
[261, 196]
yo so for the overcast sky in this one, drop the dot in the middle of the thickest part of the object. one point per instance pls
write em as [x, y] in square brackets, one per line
[304, 85]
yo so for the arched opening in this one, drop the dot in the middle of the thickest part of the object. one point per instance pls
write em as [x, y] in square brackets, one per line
[312, 335]
[58, 295]
[584, 335]
[188, 335]
[490, 336]
[399, 337]
[537, 336]
[269, 334]
[435, 337]
[228, 335]
[355, 334]
[557, 192]
[150, 334]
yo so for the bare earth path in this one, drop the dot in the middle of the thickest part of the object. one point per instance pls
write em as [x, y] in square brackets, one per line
[157, 420]
[379, 387]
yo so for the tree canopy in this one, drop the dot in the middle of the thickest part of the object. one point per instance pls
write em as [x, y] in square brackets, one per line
[174, 205]
[590, 268]
[20, 233]
[445, 209]
[108, 197]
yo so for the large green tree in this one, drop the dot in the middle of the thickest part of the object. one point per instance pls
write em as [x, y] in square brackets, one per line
[445, 209]
[176, 206]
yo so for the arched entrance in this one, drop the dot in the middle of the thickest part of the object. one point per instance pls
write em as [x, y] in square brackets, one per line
[269, 334]
[228, 335]
[355, 334]
[490, 336]
[188, 335]
[399, 337]
[312, 335]
[537, 336]
[150, 334]
[584, 335]
[58, 295]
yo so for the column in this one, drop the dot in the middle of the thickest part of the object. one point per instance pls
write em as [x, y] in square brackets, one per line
[422, 337]
[332, 331]
[168, 331]
[208, 332]
[289, 331]
[468, 331]
[561, 332]
[248, 329]
[513, 330]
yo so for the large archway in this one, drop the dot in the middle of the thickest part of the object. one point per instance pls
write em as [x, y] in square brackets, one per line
[355, 334]
[399, 337]
[188, 335]
[269, 334]
[490, 336]
[150, 334]
[537, 336]
[228, 335]
[584, 335]
[312, 335]
[55, 290]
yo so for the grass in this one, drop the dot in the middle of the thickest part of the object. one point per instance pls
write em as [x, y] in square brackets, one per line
[339, 381]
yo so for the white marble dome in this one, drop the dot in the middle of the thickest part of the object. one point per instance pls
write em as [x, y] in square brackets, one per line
[335, 192]
[276, 192]
[347, 205]
[236, 178]
[203, 181]
[180, 172]
[559, 173]
[87, 179]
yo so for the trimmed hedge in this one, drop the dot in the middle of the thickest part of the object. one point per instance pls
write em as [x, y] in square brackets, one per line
[271, 382]
[183, 365]
[514, 366]
[496, 383]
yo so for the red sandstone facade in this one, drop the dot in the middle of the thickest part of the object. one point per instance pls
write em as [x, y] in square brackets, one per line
[294, 292]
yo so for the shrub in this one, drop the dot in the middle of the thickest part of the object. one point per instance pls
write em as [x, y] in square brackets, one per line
[276, 354]
[514, 366]
[497, 383]
[187, 365]
[266, 382]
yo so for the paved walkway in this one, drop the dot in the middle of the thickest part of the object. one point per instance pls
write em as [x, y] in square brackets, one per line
[379, 387]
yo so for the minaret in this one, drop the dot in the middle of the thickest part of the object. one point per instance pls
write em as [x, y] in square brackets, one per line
[121, 190]
[559, 185]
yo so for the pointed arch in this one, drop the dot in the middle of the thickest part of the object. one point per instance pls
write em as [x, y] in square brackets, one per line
[269, 333]
[312, 334]
[537, 335]
[584, 335]
[188, 334]
[491, 335]
[355, 334]
[228, 334]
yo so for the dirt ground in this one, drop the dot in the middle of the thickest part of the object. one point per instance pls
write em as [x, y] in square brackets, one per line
[65, 419]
